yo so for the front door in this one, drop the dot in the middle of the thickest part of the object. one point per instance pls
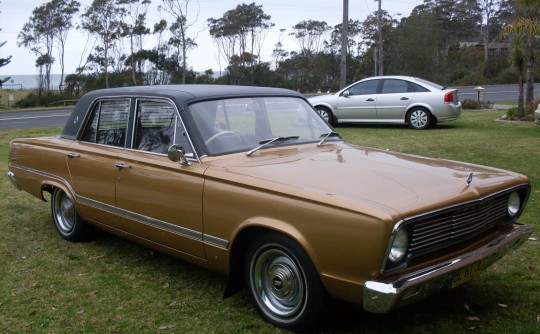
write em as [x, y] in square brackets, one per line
[162, 197]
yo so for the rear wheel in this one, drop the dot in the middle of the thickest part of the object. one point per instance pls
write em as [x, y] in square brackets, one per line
[419, 119]
[283, 283]
[66, 219]
[326, 114]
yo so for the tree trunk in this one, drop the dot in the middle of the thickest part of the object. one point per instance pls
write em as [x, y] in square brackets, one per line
[529, 97]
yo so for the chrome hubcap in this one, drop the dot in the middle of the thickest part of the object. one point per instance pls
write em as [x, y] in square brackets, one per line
[278, 283]
[65, 212]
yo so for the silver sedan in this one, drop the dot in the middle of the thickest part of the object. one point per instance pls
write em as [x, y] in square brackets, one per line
[390, 99]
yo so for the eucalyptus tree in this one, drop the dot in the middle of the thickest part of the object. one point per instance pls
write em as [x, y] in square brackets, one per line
[103, 19]
[310, 35]
[179, 9]
[239, 35]
[4, 62]
[38, 36]
[489, 10]
[134, 27]
[63, 14]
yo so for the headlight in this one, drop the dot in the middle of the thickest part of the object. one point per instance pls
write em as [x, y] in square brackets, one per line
[399, 246]
[514, 203]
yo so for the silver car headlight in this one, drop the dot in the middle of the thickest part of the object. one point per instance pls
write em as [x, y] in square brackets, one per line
[399, 246]
[514, 204]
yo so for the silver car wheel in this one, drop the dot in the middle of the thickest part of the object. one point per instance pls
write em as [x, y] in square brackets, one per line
[67, 221]
[325, 114]
[419, 119]
[278, 282]
[64, 212]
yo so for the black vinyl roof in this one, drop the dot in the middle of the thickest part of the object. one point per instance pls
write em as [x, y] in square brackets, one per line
[181, 95]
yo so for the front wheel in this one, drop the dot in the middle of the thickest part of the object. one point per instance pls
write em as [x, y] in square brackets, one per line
[283, 283]
[66, 219]
[326, 114]
[419, 119]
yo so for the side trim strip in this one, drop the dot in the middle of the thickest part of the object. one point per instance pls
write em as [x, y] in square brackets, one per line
[182, 231]
[179, 230]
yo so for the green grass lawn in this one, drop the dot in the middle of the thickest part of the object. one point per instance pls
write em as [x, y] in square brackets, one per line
[109, 285]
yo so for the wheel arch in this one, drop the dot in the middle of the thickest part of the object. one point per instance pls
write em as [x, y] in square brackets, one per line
[241, 242]
[424, 106]
[48, 186]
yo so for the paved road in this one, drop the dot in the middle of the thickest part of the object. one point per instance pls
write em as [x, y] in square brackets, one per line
[33, 119]
[58, 117]
[495, 93]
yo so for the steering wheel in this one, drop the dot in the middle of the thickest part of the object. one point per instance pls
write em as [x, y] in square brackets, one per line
[212, 139]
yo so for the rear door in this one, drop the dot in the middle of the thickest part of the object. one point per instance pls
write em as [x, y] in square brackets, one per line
[93, 157]
[394, 97]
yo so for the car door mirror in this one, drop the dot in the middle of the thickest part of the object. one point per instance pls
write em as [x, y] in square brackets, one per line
[346, 93]
[177, 153]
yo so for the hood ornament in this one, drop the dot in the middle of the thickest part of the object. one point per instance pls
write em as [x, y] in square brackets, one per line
[469, 179]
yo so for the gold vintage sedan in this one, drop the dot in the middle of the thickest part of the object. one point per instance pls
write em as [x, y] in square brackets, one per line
[229, 178]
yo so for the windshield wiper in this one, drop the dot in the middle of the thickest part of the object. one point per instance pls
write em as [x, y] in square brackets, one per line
[326, 136]
[267, 142]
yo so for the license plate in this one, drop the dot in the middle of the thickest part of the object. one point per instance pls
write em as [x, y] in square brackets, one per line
[468, 272]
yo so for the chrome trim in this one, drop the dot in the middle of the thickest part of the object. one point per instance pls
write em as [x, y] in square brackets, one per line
[49, 175]
[215, 241]
[179, 230]
[13, 180]
[407, 220]
[182, 231]
[381, 297]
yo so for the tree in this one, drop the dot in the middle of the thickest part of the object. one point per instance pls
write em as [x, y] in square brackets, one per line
[526, 27]
[239, 35]
[4, 62]
[135, 29]
[103, 19]
[517, 57]
[179, 10]
[489, 8]
[38, 36]
[63, 12]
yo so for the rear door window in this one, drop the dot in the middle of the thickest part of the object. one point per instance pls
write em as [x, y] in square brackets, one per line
[108, 123]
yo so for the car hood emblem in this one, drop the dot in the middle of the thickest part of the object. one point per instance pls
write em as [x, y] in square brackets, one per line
[469, 179]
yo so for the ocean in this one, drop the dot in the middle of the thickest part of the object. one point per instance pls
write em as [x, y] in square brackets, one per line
[28, 81]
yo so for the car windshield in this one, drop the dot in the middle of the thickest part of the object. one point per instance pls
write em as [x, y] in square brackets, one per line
[243, 124]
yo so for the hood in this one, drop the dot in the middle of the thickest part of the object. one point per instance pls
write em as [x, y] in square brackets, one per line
[364, 179]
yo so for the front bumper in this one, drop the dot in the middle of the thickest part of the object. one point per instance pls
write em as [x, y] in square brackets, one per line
[381, 297]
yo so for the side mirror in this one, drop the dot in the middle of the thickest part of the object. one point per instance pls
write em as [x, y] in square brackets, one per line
[346, 93]
[177, 153]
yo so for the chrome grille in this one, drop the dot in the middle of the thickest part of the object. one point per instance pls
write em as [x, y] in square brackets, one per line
[458, 224]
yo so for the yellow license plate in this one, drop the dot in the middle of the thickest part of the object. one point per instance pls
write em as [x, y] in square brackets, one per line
[468, 272]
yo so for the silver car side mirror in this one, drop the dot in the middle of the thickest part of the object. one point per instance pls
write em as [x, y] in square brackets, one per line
[177, 153]
[346, 93]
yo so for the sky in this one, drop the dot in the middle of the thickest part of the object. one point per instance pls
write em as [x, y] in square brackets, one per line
[284, 14]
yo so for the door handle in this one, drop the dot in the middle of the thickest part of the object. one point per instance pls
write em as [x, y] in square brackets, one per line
[72, 155]
[370, 100]
[404, 98]
[121, 166]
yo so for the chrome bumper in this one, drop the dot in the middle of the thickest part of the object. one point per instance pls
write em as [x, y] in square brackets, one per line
[13, 180]
[381, 297]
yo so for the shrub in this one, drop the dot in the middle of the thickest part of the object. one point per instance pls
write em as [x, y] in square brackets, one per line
[512, 112]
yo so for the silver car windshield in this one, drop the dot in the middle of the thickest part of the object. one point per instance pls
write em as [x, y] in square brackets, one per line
[241, 124]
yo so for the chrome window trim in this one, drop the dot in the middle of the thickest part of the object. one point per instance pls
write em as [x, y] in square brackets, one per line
[135, 99]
